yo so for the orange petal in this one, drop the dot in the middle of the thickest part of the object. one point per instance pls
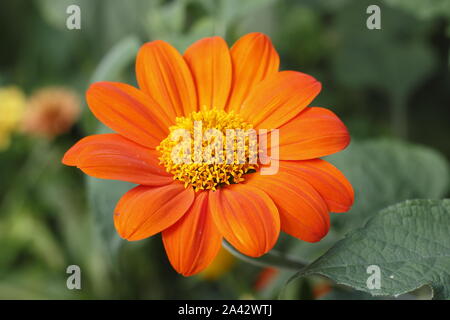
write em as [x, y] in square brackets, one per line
[210, 63]
[129, 112]
[144, 211]
[314, 133]
[327, 180]
[246, 217]
[164, 75]
[303, 212]
[193, 242]
[254, 59]
[280, 98]
[111, 156]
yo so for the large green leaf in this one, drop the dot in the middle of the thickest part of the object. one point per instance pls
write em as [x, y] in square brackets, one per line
[409, 242]
[385, 172]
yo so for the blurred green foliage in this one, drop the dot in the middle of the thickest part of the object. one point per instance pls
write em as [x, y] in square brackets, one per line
[384, 84]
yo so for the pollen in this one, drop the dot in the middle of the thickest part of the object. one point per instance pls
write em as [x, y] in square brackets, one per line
[209, 149]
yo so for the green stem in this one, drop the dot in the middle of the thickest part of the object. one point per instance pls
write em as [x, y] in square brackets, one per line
[271, 259]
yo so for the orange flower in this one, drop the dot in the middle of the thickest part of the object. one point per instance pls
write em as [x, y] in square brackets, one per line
[51, 111]
[196, 205]
[265, 277]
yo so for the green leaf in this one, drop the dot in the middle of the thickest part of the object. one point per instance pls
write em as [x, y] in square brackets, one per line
[409, 242]
[103, 196]
[384, 172]
[233, 10]
[245, 16]
[166, 19]
[119, 57]
[377, 58]
[423, 9]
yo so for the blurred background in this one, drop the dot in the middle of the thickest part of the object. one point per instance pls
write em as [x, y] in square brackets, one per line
[390, 87]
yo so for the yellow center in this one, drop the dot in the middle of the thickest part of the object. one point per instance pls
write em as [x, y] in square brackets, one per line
[209, 149]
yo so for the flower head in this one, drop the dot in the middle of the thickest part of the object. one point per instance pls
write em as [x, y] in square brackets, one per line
[187, 138]
[51, 111]
[12, 104]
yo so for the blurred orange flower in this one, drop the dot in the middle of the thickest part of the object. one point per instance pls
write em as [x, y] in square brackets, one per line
[223, 262]
[51, 111]
[321, 289]
[196, 205]
[265, 277]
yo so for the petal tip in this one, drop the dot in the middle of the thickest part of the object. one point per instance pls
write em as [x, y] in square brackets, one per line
[70, 158]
